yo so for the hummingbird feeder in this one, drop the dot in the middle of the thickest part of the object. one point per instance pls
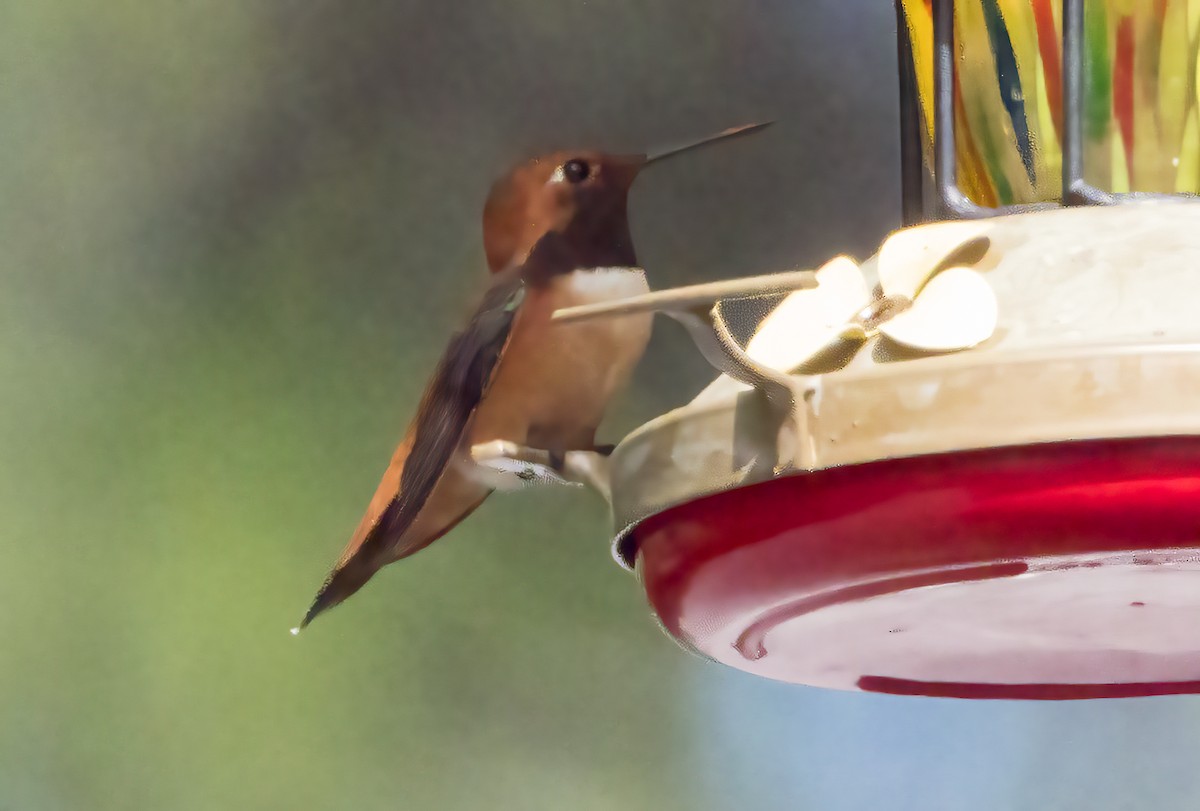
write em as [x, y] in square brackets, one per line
[970, 465]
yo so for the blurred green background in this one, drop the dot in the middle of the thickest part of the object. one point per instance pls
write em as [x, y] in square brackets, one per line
[233, 236]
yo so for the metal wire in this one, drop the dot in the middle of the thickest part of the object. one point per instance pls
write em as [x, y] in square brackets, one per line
[1076, 191]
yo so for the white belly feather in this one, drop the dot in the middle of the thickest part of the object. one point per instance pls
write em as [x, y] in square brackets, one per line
[603, 284]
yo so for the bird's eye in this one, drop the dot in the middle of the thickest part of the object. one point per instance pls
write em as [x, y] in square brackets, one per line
[576, 170]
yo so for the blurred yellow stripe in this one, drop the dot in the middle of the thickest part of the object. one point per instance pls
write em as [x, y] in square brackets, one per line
[1187, 179]
[1119, 182]
[920, 34]
[1050, 151]
[1173, 78]
[973, 179]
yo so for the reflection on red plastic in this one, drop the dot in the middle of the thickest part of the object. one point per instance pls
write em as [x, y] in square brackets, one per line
[1056, 571]
[1034, 692]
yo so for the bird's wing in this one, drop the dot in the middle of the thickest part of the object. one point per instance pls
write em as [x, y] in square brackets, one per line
[458, 385]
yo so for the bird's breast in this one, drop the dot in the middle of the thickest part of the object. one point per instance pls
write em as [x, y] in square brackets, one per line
[555, 380]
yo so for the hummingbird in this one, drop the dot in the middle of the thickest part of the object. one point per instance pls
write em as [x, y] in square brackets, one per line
[555, 235]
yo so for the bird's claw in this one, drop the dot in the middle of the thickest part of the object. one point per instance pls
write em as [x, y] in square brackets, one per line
[512, 466]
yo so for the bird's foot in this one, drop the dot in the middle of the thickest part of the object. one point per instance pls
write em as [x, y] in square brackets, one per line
[511, 466]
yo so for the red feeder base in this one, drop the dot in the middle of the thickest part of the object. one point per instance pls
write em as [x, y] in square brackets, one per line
[1057, 571]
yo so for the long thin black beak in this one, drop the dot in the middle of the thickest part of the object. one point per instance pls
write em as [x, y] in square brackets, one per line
[732, 132]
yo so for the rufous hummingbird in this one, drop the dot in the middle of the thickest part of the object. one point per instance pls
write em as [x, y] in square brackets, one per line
[556, 235]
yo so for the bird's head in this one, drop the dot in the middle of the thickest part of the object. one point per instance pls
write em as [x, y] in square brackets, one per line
[581, 195]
